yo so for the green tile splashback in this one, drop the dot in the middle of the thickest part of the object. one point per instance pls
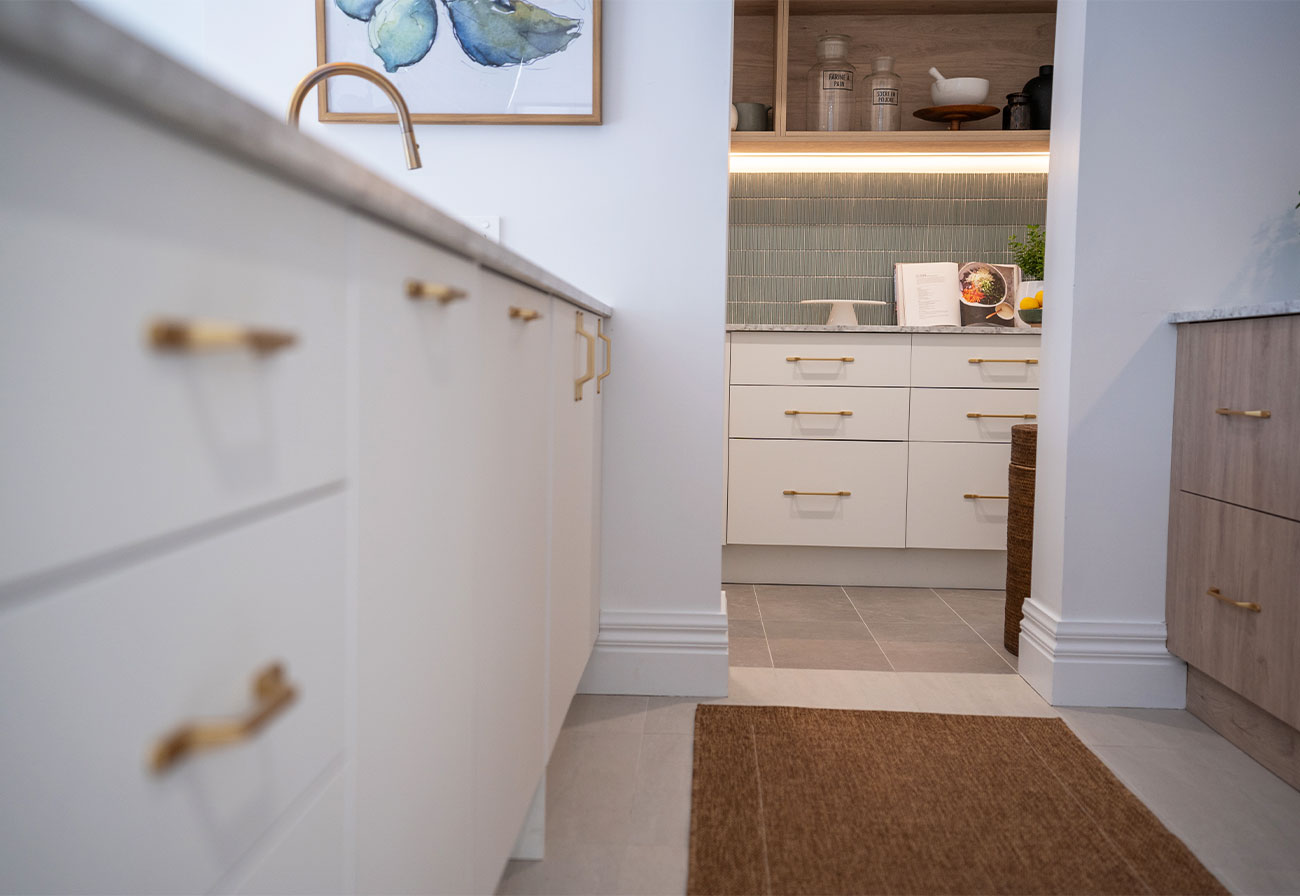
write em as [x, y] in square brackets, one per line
[837, 236]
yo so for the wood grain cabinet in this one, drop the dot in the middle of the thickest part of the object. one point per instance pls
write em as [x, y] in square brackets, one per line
[1232, 606]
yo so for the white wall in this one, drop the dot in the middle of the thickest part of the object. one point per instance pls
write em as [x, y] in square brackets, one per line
[633, 212]
[1174, 177]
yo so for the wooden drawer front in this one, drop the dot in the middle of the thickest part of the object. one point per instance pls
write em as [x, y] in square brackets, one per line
[763, 412]
[96, 674]
[944, 415]
[939, 476]
[970, 361]
[1249, 557]
[878, 359]
[109, 441]
[1239, 365]
[870, 516]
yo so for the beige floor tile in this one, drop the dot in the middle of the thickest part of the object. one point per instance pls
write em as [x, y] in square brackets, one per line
[974, 657]
[993, 634]
[1174, 729]
[977, 610]
[741, 603]
[571, 868]
[605, 714]
[745, 628]
[1251, 880]
[748, 652]
[804, 603]
[670, 715]
[661, 807]
[839, 689]
[748, 687]
[653, 871]
[967, 694]
[862, 654]
[590, 782]
[955, 632]
[900, 605]
[816, 631]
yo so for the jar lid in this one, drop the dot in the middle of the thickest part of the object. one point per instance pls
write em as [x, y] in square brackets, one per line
[832, 45]
[882, 63]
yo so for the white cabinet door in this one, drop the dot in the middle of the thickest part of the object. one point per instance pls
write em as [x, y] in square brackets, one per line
[310, 858]
[970, 415]
[575, 509]
[971, 360]
[507, 508]
[419, 373]
[95, 675]
[940, 477]
[819, 359]
[818, 412]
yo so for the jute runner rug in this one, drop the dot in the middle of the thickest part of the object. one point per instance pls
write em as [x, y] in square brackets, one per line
[826, 801]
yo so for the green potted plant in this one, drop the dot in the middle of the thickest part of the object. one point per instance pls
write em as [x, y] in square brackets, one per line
[1028, 255]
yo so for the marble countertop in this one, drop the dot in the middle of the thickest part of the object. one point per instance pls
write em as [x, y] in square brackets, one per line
[1236, 312]
[879, 328]
[59, 40]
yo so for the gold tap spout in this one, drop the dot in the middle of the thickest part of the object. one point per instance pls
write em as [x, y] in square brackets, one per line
[329, 70]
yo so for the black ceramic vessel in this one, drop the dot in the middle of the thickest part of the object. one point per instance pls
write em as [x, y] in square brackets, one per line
[1040, 99]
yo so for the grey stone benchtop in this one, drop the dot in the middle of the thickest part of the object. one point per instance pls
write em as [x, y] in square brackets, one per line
[879, 328]
[1271, 309]
[61, 41]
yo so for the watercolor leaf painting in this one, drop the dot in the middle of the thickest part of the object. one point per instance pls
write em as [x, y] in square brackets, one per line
[493, 33]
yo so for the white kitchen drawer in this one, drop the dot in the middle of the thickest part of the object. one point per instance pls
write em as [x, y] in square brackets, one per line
[310, 857]
[944, 415]
[969, 360]
[109, 441]
[871, 515]
[96, 674]
[855, 359]
[939, 476]
[822, 412]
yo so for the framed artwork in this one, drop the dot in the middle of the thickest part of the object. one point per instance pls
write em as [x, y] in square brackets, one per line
[464, 61]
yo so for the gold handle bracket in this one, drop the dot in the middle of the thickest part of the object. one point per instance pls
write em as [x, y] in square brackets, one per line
[975, 416]
[1229, 412]
[206, 335]
[974, 497]
[1243, 604]
[525, 314]
[1002, 361]
[821, 413]
[417, 290]
[591, 360]
[795, 359]
[603, 337]
[831, 494]
[273, 694]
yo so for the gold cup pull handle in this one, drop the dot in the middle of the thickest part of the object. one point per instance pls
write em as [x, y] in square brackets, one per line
[820, 413]
[1002, 360]
[591, 360]
[1229, 412]
[418, 290]
[600, 334]
[273, 694]
[206, 335]
[525, 314]
[973, 497]
[832, 494]
[1243, 604]
[974, 416]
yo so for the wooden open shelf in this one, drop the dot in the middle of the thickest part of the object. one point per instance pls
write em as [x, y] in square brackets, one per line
[1002, 40]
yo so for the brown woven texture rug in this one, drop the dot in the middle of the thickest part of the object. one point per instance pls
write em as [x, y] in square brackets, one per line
[829, 801]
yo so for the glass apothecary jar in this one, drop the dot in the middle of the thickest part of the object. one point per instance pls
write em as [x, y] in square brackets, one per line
[830, 86]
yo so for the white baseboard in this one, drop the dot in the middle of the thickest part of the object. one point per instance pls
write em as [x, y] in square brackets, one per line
[1099, 663]
[757, 564]
[661, 654]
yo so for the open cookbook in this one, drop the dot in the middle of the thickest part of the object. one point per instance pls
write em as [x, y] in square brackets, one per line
[943, 294]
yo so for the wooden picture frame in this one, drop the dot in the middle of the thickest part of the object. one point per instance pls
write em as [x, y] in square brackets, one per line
[480, 83]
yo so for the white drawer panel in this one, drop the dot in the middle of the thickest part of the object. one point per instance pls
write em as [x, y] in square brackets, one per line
[109, 441]
[763, 412]
[939, 475]
[870, 516]
[963, 360]
[876, 359]
[944, 415]
[95, 674]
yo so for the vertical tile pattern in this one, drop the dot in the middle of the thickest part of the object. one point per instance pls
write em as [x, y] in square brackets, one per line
[838, 235]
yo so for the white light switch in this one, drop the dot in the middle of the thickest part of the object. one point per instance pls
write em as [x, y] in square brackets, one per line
[488, 225]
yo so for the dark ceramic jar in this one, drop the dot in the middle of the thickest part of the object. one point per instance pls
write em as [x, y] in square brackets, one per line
[1039, 91]
[1016, 116]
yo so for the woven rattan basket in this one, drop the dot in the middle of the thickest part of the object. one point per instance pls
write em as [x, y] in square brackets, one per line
[1020, 528]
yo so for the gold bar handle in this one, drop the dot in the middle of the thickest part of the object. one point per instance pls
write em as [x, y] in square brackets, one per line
[973, 497]
[600, 334]
[591, 360]
[832, 494]
[1243, 604]
[524, 314]
[425, 289]
[796, 359]
[1002, 361]
[1007, 416]
[273, 694]
[823, 413]
[1229, 412]
[199, 335]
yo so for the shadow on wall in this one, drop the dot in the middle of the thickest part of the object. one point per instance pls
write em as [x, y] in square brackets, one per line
[1274, 272]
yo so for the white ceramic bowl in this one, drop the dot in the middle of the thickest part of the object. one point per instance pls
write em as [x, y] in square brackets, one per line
[959, 91]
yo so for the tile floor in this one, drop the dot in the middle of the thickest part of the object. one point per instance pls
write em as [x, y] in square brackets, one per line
[867, 629]
[619, 781]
